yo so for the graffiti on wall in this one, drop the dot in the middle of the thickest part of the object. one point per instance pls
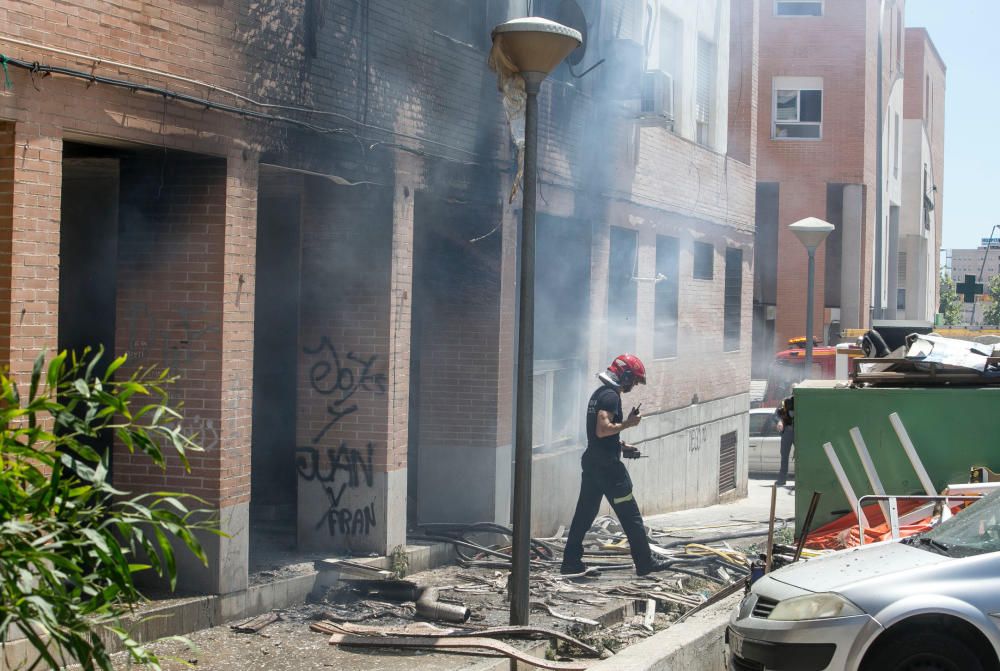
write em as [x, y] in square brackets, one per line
[356, 473]
[340, 379]
[345, 474]
[149, 339]
[203, 430]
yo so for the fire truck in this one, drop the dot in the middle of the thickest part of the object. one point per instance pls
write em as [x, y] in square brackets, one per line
[789, 367]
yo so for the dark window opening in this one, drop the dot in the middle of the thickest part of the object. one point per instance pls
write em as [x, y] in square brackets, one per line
[622, 291]
[798, 113]
[666, 297]
[704, 260]
[733, 295]
[834, 246]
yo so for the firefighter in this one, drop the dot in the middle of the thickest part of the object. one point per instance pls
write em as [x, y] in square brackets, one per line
[604, 474]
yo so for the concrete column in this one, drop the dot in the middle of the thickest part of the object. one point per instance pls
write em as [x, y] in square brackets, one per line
[350, 446]
[398, 388]
[507, 358]
[851, 299]
[239, 271]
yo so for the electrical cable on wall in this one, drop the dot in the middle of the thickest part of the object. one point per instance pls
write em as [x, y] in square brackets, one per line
[136, 87]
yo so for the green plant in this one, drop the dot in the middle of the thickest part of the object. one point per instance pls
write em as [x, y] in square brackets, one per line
[399, 562]
[70, 543]
[951, 306]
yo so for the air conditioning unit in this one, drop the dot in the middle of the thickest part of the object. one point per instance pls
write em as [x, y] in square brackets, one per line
[657, 94]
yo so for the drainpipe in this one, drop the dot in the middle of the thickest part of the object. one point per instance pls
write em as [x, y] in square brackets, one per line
[877, 307]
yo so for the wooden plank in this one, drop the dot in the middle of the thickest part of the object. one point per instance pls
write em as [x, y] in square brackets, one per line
[425, 629]
[255, 624]
[449, 643]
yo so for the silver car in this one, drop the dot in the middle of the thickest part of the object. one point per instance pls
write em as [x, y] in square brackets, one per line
[764, 455]
[927, 603]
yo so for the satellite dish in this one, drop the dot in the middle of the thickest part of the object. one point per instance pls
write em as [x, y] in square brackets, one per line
[570, 15]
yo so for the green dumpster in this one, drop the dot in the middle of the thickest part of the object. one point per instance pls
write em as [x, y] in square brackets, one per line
[952, 429]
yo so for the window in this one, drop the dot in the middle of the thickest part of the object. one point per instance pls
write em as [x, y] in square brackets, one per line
[704, 260]
[622, 291]
[798, 8]
[763, 424]
[732, 299]
[798, 108]
[900, 299]
[926, 203]
[705, 98]
[665, 301]
[901, 281]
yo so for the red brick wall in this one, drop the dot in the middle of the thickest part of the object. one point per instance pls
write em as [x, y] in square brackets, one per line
[34, 249]
[460, 319]
[342, 412]
[169, 305]
[840, 48]
[238, 329]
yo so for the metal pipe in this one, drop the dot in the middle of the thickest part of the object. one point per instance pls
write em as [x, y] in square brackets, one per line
[770, 530]
[866, 461]
[877, 307]
[986, 254]
[809, 312]
[845, 483]
[520, 552]
[911, 453]
[806, 524]
[430, 608]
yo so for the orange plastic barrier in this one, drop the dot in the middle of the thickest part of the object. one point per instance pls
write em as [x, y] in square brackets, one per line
[844, 532]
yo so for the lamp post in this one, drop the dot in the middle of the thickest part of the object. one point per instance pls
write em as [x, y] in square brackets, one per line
[533, 47]
[811, 232]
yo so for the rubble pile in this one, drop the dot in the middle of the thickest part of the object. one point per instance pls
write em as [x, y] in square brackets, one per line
[587, 615]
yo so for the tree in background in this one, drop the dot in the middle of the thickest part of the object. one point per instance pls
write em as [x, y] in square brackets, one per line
[70, 544]
[951, 304]
[991, 310]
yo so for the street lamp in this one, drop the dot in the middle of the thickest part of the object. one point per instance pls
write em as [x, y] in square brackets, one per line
[531, 47]
[811, 232]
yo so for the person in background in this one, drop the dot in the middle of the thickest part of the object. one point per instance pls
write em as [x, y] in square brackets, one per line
[604, 474]
[786, 425]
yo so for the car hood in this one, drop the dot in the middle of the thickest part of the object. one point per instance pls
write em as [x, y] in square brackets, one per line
[842, 569]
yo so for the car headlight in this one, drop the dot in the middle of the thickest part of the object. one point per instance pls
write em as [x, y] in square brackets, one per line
[814, 607]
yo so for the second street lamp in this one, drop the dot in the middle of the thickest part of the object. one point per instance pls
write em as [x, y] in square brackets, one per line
[811, 232]
[531, 47]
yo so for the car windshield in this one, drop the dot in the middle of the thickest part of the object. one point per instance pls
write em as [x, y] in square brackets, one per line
[974, 531]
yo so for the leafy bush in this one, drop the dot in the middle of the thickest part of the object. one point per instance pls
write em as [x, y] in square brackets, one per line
[70, 543]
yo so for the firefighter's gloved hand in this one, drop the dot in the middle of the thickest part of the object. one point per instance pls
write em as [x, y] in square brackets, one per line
[629, 452]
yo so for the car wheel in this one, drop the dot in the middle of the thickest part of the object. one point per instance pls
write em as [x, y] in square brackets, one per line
[924, 650]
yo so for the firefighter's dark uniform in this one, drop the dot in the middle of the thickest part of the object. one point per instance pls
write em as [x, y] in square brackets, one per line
[786, 413]
[605, 476]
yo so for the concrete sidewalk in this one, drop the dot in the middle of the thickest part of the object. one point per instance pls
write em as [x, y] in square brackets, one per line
[698, 643]
[751, 511]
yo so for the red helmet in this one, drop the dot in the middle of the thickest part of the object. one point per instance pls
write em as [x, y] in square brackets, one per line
[627, 370]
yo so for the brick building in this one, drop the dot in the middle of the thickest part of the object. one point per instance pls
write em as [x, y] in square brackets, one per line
[819, 155]
[302, 209]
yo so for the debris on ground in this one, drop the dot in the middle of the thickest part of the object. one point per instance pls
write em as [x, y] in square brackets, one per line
[255, 624]
[593, 614]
